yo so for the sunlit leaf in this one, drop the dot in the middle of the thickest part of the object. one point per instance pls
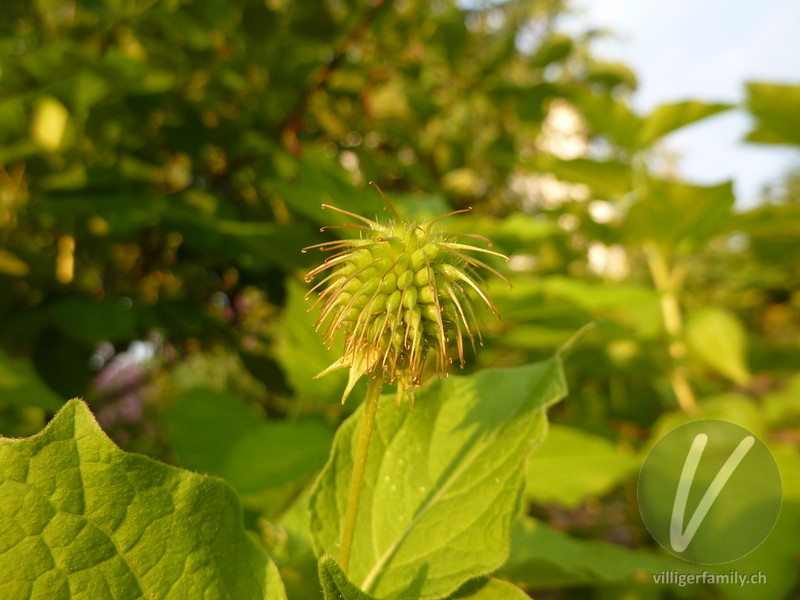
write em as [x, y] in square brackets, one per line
[777, 111]
[671, 213]
[80, 518]
[666, 118]
[553, 49]
[442, 483]
[606, 178]
[336, 586]
[720, 340]
[572, 465]
[542, 557]
[214, 432]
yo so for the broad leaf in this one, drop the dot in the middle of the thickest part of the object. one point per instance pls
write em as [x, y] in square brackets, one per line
[612, 118]
[442, 484]
[606, 178]
[717, 337]
[543, 557]
[79, 518]
[336, 586]
[553, 49]
[572, 465]
[669, 117]
[214, 432]
[777, 112]
[628, 304]
[671, 213]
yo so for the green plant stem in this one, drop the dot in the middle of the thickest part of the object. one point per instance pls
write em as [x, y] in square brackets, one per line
[668, 283]
[359, 467]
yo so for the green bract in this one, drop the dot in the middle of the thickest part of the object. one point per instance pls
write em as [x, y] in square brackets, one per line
[399, 291]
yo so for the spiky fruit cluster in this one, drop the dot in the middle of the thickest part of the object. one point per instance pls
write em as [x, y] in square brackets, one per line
[399, 291]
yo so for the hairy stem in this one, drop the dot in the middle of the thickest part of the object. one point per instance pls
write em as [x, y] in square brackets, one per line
[359, 466]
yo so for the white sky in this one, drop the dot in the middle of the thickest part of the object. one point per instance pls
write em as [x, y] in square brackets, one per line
[705, 50]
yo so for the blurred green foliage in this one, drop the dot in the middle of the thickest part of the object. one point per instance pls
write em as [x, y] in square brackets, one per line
[162, 164]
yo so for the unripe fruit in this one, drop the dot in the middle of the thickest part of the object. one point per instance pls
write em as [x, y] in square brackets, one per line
[399, 291]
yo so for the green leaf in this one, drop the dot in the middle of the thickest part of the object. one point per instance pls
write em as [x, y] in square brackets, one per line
[606, 178]
[612, 118]
[669, 117]
[572, 465]
[543, 557]
[204, 425]
[214, 432]
[278, 452]
[301, 352]
[442, 484]
[254, 246]
[489, 588]
[773, 231]
[79, 518]
[777, 112]
[21, 386]
[717, 337]
[611, 74]
[320, 180]
[628, 304]
[671, 213]
[336, 586]
[553, 49]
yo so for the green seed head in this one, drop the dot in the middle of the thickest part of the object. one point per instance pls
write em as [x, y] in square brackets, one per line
[399, 291]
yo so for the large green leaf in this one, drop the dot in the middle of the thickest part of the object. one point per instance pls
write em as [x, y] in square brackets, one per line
[543, 557]
[572, 465]
[442, 484]
[773, 231]
[21, 386]
[214, 432]
[628, 304]
[669, 117]
[777, 112]
[717, 337]
[671, 213]
[336, 586]
[554, 48]
[612, 118]
[606, 178]
[79, 518]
